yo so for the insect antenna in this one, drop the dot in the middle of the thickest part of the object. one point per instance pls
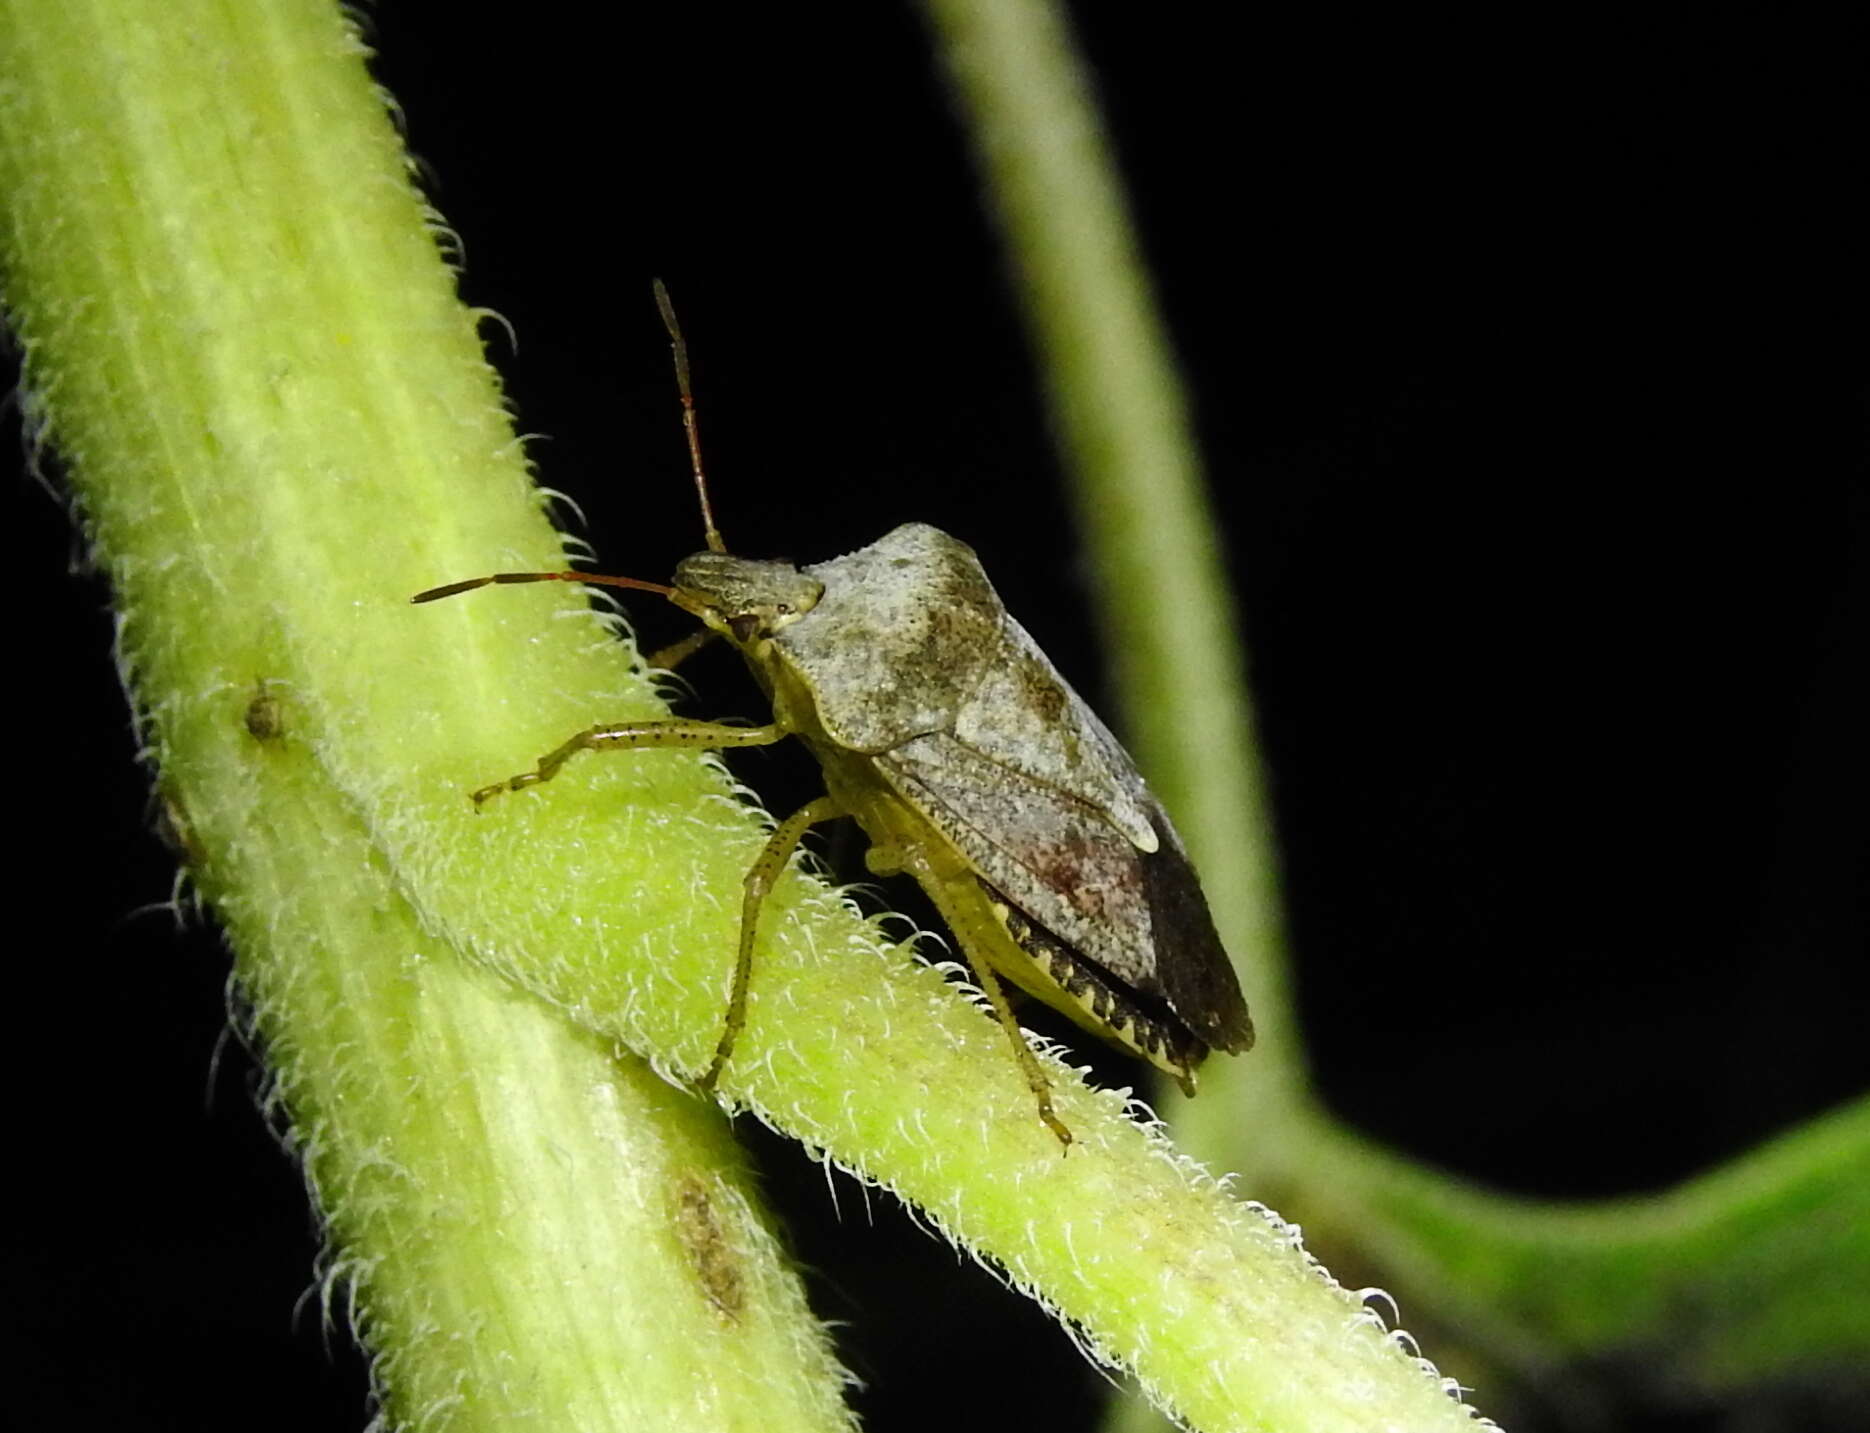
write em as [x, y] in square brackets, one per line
[688, 414]
[597, 579]
[454, 589]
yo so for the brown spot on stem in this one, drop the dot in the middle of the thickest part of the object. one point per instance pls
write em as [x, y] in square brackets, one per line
[711, 1253]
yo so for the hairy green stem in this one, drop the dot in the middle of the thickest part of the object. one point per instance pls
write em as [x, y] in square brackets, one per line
[241, 337]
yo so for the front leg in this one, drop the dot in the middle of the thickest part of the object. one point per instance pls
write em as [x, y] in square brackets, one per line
[672, 656]
[672, 734]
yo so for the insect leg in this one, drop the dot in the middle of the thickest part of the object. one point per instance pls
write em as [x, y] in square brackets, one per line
[975, 931]
[1022, 1052]
[759, 880]
[669, 657]
[674, 734]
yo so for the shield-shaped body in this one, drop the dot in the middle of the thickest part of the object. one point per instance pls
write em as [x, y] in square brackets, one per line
[973, 766]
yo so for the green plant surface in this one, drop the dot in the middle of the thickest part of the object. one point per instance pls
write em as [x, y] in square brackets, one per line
[1745, 1277]
[239, 333]
[241, 336]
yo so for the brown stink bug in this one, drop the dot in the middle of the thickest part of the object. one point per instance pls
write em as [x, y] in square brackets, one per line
[969, 763]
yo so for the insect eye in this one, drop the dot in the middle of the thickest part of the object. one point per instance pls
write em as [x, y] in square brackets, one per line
[783, 608]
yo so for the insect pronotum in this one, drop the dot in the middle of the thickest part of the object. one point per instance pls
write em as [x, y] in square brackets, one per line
[969, 763]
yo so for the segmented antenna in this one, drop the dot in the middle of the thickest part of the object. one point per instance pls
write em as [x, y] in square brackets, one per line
[688, 415]
[455, 589]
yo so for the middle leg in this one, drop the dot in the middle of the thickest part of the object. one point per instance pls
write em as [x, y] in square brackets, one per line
[759, 881]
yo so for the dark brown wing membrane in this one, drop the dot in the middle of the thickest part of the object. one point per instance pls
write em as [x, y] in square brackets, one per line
[1197, 979]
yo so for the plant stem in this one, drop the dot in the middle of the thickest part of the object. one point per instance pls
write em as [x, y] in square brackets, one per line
[248, 350]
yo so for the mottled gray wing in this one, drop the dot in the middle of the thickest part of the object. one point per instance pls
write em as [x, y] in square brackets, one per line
[1137, 913]
[1025, 717]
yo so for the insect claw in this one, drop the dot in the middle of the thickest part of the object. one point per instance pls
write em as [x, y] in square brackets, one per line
[723, 1052]
[711, 1076]
[512, 783]
[1056, 1125]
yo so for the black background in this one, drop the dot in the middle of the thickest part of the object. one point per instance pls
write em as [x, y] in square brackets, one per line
[1527, 356]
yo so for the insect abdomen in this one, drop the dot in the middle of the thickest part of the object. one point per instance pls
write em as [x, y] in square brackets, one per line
[1077, 986]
